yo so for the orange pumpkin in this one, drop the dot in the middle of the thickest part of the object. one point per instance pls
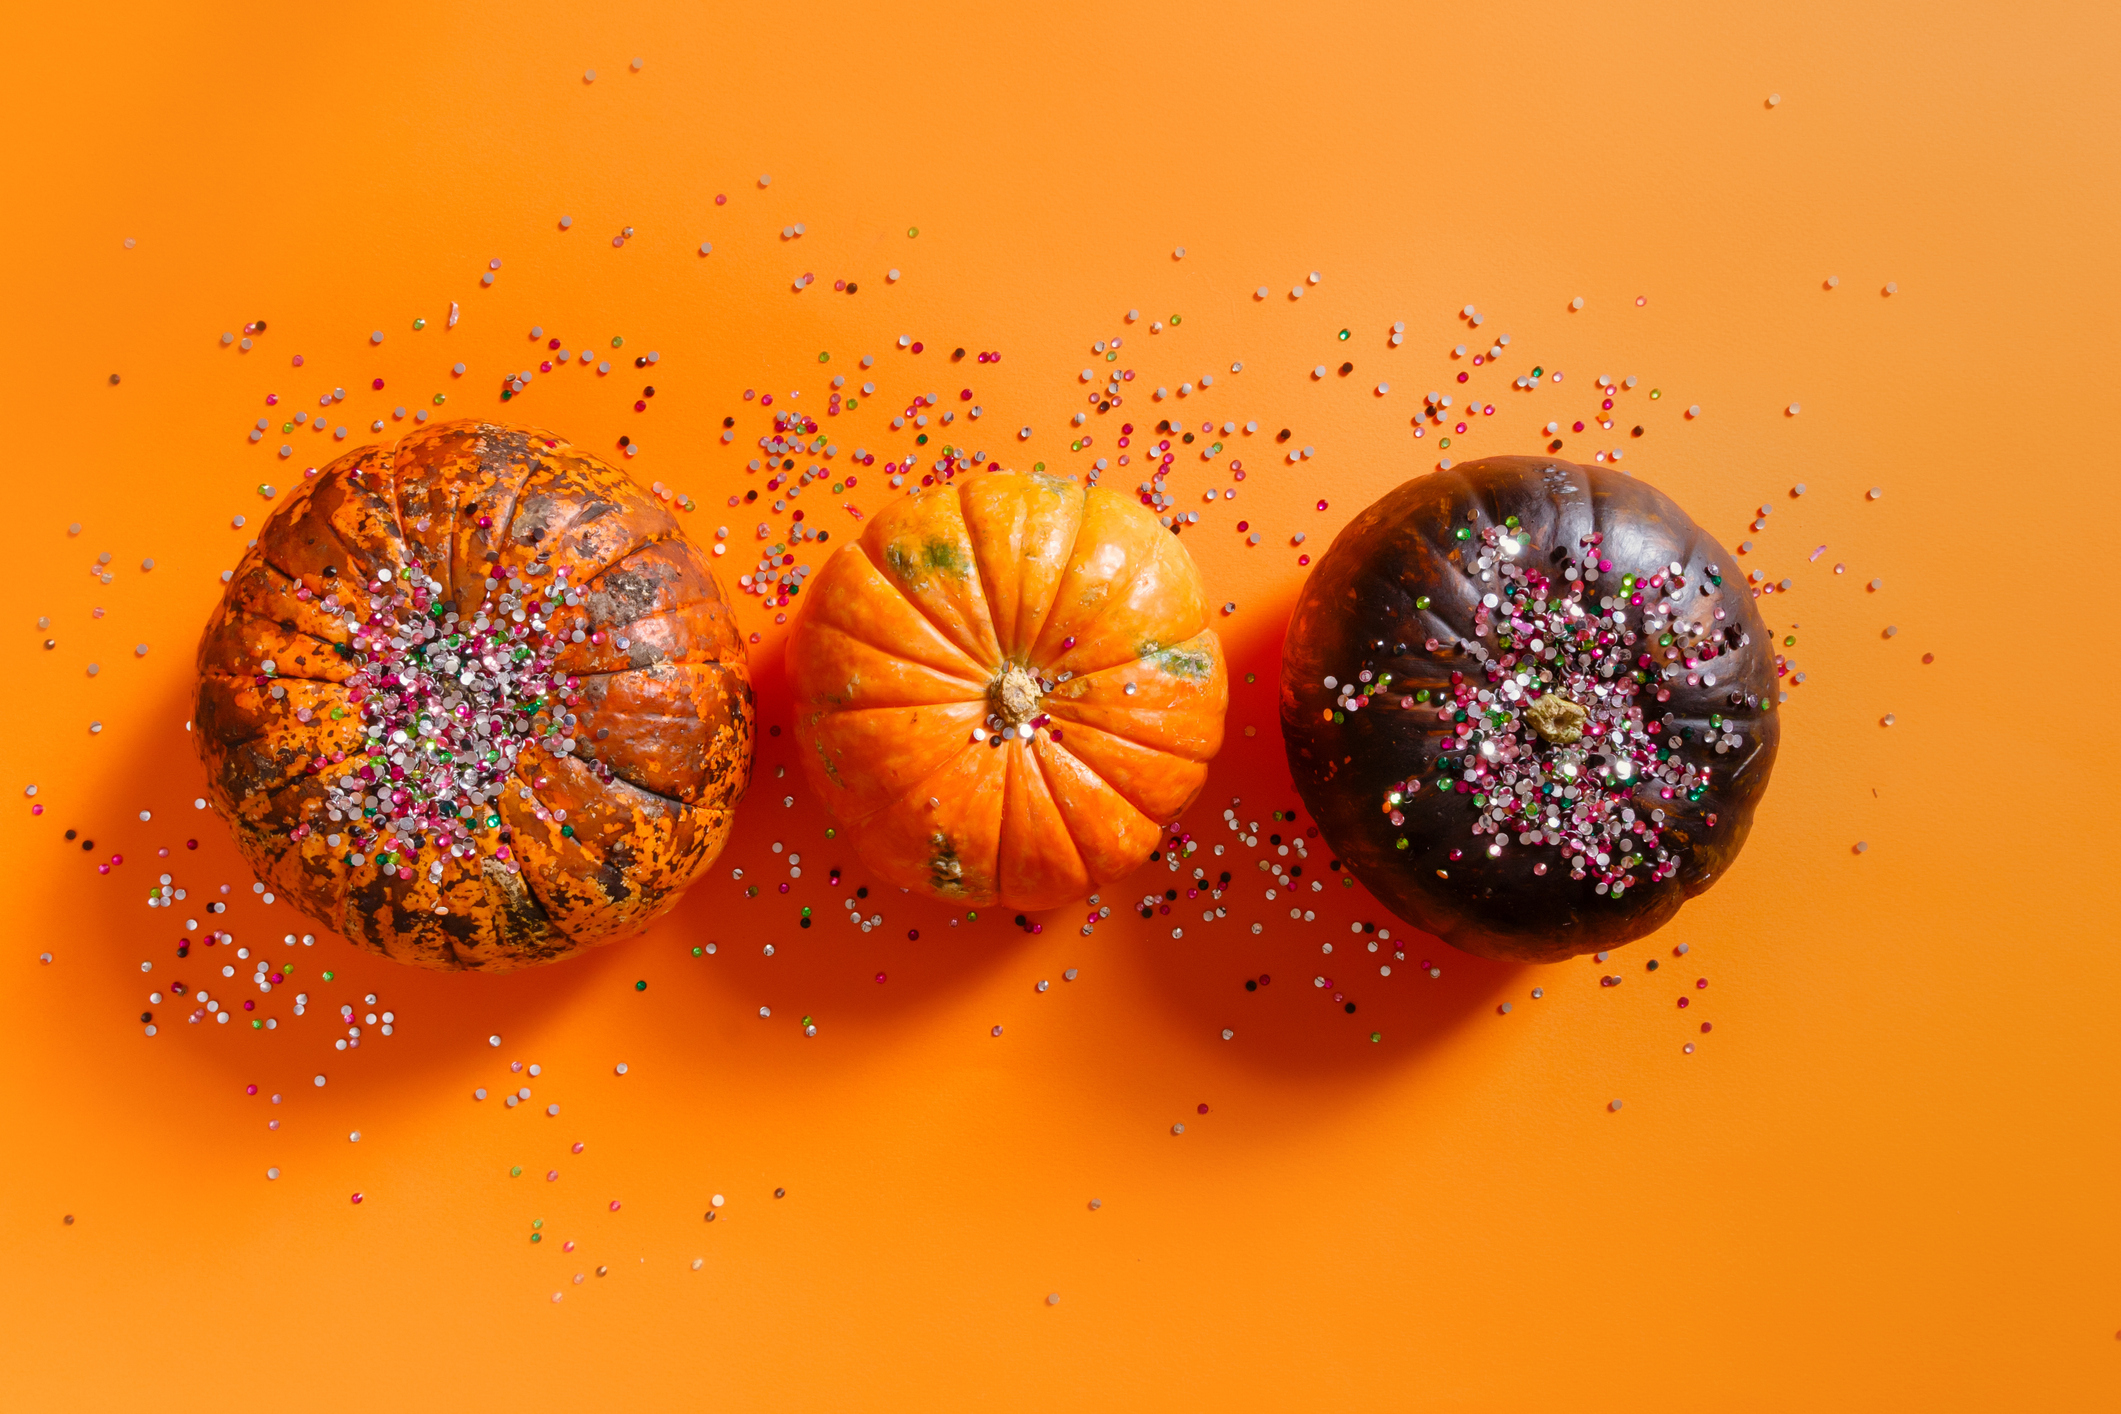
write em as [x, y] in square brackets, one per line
[1007, 687]
[475, 701]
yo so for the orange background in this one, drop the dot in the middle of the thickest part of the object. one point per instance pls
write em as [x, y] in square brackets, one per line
[1886, 1180]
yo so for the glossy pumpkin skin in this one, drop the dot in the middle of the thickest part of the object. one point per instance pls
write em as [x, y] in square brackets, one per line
[648, 805]
[999, 598]
[1358, 611]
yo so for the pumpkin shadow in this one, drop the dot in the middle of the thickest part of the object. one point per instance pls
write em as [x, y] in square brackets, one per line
[877, 984]
[443, 1018]
[439, 1013]
[1310, 1012]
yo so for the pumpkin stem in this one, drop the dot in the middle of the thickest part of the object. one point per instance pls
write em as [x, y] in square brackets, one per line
[1014, 695]
[1557, 719]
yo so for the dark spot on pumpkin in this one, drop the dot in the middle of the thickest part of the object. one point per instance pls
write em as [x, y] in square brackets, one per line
[946, 872]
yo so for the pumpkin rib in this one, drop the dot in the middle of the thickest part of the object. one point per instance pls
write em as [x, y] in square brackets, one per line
[252, 599]
[1122, 784]
[922, 686]
[674, 802]
[1066, 700]
[942, 630]
[577, 497]
[325, 646]
[264, 564]
[1162, 573]
[354, 479]
[673, 537]
[353, 559]
[909, 802]
[974, 680]
[462, 569]
[281, 718]
[292, 869]
[425, 448]
[503, 528]
[875, 554]
[897, 733]
[1068, 817]
[610, 629]
[387, 492]
[908, 793]
[1025, 867]
[544, 883]
[636, 548]
[1026, 523]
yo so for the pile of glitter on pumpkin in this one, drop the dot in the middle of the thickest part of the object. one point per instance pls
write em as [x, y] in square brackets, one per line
[1555, 748]
[447, 704]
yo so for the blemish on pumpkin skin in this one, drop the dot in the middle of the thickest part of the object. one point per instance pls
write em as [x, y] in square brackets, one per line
[946, 873]
[1190, 664]
[824, 758]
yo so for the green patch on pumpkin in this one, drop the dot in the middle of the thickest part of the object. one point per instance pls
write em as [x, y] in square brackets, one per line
[1192, 664]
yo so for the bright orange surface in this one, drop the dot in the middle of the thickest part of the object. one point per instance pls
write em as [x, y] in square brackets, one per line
[1886, 1180]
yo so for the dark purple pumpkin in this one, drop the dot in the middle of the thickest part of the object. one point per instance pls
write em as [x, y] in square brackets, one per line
[1531, 706]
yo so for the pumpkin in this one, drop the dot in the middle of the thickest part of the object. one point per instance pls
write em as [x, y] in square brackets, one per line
[474, 701]
[1527, 707]
[1007, 687]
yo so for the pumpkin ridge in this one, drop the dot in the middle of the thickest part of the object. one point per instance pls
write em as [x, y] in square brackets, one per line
[1069, 710]
[497, 533]
[265, 563]
[942, 631]
[620, 626]
[326, 646]
[619, 775]
[974, 687]
[541, 881]
[646, 543]
[1022, 765]
[1060, 807]
[1115, 787]
[354, 561]
[915, 791]
[461, 571]
[981, 571]
[388, 494]
[1055, 486]
[613, 629]
[673, 537]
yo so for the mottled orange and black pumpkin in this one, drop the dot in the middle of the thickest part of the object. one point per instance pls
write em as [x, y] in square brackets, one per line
[475, 701]
[1007, 687]
[1527, 707]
